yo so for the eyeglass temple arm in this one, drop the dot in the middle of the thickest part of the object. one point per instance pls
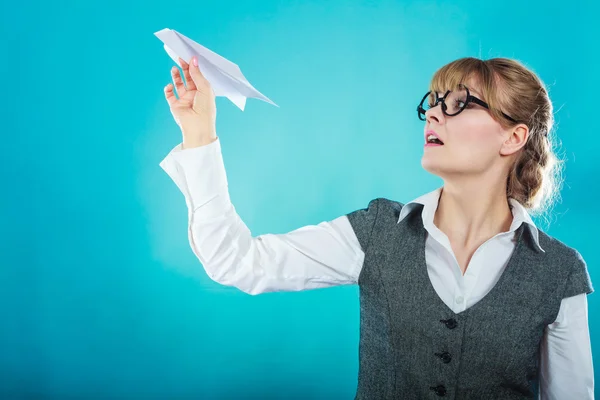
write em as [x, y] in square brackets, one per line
[484, 104]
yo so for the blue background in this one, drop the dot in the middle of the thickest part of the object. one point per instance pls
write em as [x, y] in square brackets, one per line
[100, 293]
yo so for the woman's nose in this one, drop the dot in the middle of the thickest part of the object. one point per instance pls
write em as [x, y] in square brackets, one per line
[435, 114]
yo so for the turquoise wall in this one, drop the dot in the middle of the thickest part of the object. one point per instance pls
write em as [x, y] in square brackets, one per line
[101, 296]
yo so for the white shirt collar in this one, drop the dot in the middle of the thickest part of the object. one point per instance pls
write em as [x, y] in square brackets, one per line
[430, 202]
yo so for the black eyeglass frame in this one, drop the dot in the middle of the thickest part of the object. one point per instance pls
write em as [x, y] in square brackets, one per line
[470, 98]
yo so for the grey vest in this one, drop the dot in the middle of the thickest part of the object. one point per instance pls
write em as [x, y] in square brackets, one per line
[412, 346]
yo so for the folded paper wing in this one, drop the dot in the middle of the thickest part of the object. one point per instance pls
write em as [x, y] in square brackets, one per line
[225, 77]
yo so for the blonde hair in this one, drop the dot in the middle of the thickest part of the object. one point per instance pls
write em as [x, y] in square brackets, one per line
[508, 86]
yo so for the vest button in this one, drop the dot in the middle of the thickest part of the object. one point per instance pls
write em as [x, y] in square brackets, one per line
[440, 390]
[450, 323]
[445, 356]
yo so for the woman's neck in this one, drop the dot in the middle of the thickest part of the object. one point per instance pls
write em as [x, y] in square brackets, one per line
[471, 214]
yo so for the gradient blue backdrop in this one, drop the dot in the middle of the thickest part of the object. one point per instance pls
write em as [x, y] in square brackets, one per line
[101, 296]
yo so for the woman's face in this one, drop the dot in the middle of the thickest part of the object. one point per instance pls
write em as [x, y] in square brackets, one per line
[472, 140]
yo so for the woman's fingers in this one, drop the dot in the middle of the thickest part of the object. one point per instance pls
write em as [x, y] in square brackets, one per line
[199, 80]
[169, 95]
[178, 81]
[189, 82]
[194, 80]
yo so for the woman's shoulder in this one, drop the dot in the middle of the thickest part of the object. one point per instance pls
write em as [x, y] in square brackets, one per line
[377, 212]
[563, 255]
[383, 210]
[556, 248]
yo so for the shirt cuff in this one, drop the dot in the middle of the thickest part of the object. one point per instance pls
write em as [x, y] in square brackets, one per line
[199, 172]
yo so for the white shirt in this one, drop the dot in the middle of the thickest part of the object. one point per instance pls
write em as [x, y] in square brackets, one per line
[329, 254]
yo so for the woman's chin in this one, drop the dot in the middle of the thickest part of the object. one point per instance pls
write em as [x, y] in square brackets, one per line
[433, 166]
[430, 164]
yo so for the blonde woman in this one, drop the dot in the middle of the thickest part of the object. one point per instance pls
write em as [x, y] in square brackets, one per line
[461, 295]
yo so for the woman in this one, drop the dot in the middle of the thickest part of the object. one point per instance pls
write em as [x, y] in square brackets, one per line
[460, 294]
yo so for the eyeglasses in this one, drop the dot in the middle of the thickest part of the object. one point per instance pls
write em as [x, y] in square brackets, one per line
[453, 102]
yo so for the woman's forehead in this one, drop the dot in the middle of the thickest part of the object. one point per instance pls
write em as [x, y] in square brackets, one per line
[470, 84]
[447, 80]
[473, 86]
[475, 91]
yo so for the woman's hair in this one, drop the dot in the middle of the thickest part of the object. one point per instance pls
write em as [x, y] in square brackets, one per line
[534, 180]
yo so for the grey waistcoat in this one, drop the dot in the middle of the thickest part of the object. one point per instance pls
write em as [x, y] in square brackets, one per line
[412, 346]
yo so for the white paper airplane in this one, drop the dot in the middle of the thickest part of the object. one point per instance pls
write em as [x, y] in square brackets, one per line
[225, 77]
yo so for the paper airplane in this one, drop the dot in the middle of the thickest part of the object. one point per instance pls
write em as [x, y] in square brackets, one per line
[225, 77]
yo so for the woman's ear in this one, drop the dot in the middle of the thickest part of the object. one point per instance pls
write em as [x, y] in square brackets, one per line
[515, 139]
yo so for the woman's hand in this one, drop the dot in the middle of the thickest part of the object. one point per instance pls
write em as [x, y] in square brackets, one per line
[195, 110]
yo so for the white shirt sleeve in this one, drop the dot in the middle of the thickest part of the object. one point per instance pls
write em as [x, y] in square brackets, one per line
[566, 369]
[310, 257]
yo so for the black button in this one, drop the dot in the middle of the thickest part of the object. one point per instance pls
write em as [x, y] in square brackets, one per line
[440, 390]
[445, 356]
[450, 323]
